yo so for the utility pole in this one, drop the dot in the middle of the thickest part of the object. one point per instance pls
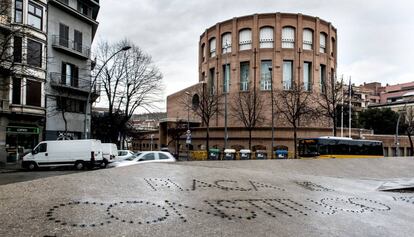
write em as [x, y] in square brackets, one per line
[188, 125]
[342, 106]
[273, 119]
[226, 85]
[350, 107]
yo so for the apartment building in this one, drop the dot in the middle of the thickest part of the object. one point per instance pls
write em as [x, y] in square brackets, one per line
[23, 39]
[71, 29]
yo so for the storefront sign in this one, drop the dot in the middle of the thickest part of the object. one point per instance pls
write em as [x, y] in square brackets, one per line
[22, 130]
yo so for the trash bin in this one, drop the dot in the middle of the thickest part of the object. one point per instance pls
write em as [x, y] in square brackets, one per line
[261, 155]
[229, 154]
[213, 154]
[245, 154]
[281, 154]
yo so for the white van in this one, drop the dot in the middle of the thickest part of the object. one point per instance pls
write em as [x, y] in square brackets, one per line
[109, 153]
[79, 153]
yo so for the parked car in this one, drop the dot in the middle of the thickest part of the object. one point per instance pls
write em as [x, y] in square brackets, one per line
[124, 154]
[109, 153]
[77, 153]
[145, 157]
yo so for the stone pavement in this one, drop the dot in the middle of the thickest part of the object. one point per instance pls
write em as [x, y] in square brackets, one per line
[216, 198]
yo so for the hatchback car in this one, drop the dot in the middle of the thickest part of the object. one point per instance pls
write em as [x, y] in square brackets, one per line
[124, 154]
[145, 157]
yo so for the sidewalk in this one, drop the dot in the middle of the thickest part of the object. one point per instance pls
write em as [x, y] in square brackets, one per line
[9, 167]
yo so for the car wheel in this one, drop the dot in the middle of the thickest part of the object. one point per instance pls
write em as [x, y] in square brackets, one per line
[79, 165]
[31, 166]
[104, 164]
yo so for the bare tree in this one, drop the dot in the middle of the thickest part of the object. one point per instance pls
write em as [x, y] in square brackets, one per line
[247, 107]
[294, 105]
[175, 130]
[130, 81]
[204, 104]
[409, 126]
[328, 100]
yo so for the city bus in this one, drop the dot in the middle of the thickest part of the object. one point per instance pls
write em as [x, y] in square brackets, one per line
[339, 147]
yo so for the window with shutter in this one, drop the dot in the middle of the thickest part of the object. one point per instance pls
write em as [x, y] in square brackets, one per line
[287, 74]
[75, 77]
[212, 45]
[288, 37]
[226, 43]
[307, 39]
[244, 76]
[63, 35]
[266, 37]
[245, 39]
[307, 75]
[322, 42]
[78, 41]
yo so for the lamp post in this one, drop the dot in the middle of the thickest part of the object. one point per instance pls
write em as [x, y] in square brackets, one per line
[273, 123]
[226, 85]
[188, 125]
[85, 127]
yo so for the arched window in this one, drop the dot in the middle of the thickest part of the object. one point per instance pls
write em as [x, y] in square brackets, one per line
[226, 43]
[322, 42]
[333, 46]
[288, 37]
[212, 44]
[203, 52]
[195, 101]
[307, 39]
[266, 37]
[245, 39]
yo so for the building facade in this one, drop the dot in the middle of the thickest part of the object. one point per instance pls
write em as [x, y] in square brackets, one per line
[265, 52]
[71, 29]
[23, 64]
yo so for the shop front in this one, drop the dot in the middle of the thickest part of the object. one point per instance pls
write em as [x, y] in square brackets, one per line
[20, 140]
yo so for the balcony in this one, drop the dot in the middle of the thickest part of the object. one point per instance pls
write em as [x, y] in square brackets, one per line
[75, 85]
[88, 16]
[69, 46]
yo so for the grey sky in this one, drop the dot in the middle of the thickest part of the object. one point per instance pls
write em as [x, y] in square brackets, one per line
[375, 38]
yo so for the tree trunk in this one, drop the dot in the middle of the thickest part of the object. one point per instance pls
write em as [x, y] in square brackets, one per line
[334, 125]
[295, 141]
[208, 137]
[411, 143]
[250, 139]
[66, 123]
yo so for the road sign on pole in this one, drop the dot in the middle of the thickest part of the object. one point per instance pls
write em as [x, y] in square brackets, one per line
[188, 140]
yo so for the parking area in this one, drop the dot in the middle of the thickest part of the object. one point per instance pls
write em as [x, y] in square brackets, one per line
[215, 198]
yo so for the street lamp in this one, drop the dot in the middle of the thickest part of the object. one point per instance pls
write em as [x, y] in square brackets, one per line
[188, 124]
[85, 129]
[226, 85]
[273, 123]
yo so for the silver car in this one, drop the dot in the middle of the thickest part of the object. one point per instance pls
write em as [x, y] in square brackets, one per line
[145, 157]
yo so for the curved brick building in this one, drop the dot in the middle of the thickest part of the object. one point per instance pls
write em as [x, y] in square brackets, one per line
[249, 51]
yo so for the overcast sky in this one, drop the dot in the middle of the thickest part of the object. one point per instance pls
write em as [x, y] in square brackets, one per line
[375, 38]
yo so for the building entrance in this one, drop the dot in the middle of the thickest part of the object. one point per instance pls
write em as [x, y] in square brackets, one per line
[20, 141]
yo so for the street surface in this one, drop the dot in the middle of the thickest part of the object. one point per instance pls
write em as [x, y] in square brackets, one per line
[335, 197]
[21, 175]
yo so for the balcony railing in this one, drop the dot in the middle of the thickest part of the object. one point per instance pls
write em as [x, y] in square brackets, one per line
[244, 85]
[71, 46]
[83, 85]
